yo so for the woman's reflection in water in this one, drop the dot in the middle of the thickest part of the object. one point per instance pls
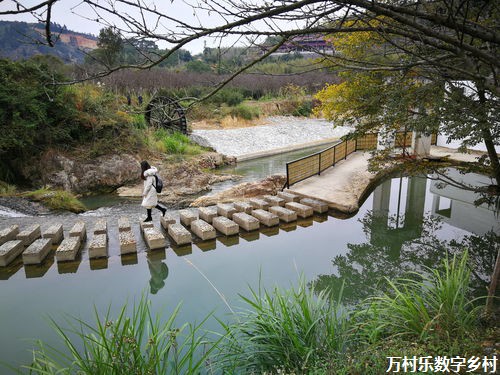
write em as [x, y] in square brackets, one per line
[159, 272]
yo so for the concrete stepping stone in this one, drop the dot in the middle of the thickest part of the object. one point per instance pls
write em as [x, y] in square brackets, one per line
[273, 200]
[243, 207]
[259, 203]
[128, 244]
[37, 251]
[246, 221]
[101, 227]
[10, 250]
[55, 233]
[203, 230]
[79, 229]
[283, 213]
[154, 238]
[166, 220]
[98, 247]
[225, 225]
[68, 249]
[301, 209]
[208, 213]
[147, 224]
[288, 197]
[317, 205]
[187, 216]
[9, 233]
[226, 210]
[179, 234]
[124, 224]
[265, 217]
[29, 234]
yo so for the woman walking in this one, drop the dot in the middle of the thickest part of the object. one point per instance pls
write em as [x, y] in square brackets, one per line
[149, 195]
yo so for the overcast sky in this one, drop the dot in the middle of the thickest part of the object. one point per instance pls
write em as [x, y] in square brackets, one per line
[79, 17]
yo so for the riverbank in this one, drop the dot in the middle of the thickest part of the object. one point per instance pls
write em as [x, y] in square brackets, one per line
[274, 135]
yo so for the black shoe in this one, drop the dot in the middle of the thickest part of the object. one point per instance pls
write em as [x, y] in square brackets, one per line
[148, 219]
[163, 210]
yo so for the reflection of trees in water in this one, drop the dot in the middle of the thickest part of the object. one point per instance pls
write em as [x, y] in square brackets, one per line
[393, 253]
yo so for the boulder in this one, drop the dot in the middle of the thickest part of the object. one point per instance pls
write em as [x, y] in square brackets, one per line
[270, 185]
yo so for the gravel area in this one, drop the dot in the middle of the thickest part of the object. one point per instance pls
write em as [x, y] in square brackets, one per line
[278, 132]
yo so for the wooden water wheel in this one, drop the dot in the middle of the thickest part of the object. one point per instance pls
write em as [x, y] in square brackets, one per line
[165, 112]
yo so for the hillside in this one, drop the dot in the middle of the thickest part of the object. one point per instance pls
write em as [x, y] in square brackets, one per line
[21, 40]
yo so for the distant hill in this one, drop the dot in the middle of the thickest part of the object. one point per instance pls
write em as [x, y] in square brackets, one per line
[21, 40]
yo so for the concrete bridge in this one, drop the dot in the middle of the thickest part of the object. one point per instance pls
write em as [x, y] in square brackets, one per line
[246, 219]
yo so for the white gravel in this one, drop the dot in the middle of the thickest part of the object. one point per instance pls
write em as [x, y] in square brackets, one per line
[278, 132]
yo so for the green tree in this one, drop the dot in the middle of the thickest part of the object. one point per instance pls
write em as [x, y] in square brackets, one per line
[34, 113]
[110, 46]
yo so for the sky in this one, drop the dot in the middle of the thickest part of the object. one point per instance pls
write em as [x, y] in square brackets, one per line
[79, 17]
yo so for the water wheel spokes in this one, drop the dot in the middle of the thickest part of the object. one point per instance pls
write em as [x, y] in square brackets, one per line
[165, 112]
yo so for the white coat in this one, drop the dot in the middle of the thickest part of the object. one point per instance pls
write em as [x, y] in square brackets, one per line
[149, 195]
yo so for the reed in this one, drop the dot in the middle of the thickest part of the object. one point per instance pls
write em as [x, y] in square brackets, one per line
[287, 331]
[136, 344]
[434, 305]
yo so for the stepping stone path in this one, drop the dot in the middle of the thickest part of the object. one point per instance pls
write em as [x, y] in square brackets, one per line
[187, 216]
[226, 210]
[179, 234]
[208, 213]
[37, 251]
[226, 226]
[243, 207]
[317, 205]
[226, 218]
[8, 234]
[284, 214]
[246, 221]
[68, 249]
[128, 244]
[203, 230]
[55, 233]
[274, 200]
[10, 250]
[259, 203]
[266, 218]
[98, 247]
[29, 235]
[288, 197]
[79, 230]
[301, 209]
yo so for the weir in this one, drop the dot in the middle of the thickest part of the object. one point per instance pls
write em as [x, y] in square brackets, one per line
[224, 222]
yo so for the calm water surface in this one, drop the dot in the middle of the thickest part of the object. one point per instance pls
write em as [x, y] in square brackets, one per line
[401, 225]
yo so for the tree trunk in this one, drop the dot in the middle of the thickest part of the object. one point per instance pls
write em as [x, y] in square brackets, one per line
[488, 141]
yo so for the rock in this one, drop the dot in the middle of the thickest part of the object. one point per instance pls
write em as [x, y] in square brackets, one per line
[104, 173]
[270, 185]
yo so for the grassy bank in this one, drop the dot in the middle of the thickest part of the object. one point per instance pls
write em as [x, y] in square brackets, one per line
[56, 199]
[295, 331]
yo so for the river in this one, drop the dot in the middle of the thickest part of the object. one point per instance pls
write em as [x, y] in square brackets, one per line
[398, 228]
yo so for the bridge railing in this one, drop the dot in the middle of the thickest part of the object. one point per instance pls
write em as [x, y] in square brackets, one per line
[310, 165]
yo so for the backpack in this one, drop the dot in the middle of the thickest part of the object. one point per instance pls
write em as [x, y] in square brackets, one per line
[158, 184]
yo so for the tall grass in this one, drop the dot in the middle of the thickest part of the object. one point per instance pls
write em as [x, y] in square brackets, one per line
[293, 331]
[434, 305]
[139, 344]
[173, 143]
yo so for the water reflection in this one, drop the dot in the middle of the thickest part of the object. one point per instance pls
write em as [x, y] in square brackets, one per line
[157, 269]
[401, 237]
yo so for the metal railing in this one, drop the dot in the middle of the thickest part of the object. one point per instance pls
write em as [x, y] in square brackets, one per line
[311, 165]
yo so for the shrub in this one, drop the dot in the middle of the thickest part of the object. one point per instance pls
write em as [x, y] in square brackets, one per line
[244, 111]
[57, 200]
